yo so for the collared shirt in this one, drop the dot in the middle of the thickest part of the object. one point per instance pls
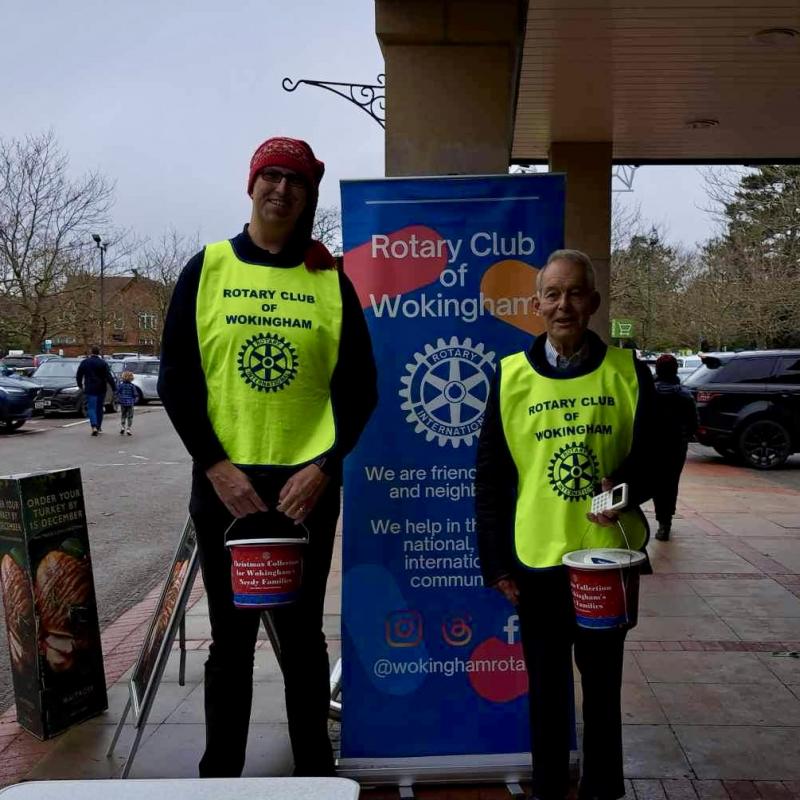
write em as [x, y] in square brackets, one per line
[555, 359]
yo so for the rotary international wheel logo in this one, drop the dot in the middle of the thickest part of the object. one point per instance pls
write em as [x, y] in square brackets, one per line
[574, 472]
[267, 362]
[446, 389]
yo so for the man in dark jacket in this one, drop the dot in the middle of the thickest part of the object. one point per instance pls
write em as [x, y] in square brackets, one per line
[93, 375]
[677, 422]
[563, 418]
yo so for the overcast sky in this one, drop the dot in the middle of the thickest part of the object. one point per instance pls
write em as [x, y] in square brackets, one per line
[169, 99]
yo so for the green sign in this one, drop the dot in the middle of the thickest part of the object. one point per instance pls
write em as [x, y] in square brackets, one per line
[621, 328]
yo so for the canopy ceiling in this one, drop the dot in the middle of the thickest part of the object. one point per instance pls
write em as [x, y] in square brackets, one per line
[640, 73]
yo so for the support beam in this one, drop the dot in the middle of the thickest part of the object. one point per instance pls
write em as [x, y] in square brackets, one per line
[587, 166]
[451, 76]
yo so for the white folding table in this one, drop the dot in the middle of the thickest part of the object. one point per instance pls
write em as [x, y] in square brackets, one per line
[187, 789]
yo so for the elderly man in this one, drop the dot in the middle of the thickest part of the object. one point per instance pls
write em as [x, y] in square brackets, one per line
[564, 418]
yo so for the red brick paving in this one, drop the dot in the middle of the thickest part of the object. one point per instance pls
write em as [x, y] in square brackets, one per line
[19, 750]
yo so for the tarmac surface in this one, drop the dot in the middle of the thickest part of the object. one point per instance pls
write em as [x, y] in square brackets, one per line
[711, 694]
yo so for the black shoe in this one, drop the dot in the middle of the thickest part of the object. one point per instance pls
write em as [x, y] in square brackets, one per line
[662, 534]
[94, 431]
[122, 431]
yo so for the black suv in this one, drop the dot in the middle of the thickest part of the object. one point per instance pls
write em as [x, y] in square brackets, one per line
[749, 405]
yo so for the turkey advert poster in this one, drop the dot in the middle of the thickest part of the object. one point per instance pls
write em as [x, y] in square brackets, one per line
[445, 269]
[49, 600]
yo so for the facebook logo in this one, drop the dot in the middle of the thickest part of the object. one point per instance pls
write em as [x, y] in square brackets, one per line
[512, 629]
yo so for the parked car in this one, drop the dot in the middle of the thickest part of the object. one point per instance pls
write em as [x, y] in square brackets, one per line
[40, 358]
[749, 405]
[117, 356]
[22, 364]
[60, 390]
[145, 377]
[17, 397]
[687, 365]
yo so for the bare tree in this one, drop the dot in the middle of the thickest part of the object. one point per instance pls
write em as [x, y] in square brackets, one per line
[328, 228]
[162, 261]
[46, 222]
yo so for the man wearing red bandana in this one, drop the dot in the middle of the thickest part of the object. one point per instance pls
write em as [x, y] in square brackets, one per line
[262, 340]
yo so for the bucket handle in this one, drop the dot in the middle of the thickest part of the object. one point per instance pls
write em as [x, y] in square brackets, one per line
[299, 540]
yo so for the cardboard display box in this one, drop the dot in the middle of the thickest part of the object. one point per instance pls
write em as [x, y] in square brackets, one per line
[49, 601]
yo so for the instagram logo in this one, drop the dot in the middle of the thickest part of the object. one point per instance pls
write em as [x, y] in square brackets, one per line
[403, 628]
[457, 631]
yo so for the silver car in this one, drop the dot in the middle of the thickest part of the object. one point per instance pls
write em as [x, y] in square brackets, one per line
[145, 376]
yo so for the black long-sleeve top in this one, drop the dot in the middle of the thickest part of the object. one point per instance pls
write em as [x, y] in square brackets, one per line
[182, 385]
[496, 474]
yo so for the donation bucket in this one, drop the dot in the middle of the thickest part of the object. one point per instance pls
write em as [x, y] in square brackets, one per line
[266, 571]
[605, 586]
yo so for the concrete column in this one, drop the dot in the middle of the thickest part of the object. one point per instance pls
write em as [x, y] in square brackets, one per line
[451, 75]
[588, 211]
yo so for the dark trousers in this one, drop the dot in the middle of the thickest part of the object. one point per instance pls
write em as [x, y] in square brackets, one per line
[549, 631]
[304, 654]
[665, 497]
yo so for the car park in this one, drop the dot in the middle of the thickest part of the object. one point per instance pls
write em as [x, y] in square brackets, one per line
[60, 390]
[145, 377]
[17, 397]
[749, 405]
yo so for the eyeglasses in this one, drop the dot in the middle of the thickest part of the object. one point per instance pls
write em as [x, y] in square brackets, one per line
[293, 181]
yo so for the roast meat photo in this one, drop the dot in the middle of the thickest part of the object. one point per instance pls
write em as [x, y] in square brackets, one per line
[19, 610]
[63, 591]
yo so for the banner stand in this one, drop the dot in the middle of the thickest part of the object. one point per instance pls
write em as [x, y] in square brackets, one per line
[510, 769]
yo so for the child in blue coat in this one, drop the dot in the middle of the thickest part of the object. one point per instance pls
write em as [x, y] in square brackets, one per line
[126, 394]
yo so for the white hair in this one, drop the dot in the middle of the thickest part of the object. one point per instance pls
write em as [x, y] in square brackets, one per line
[574, 257]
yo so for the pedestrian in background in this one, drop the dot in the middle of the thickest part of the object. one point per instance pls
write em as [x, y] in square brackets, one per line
[126, 395]
[677, 422]
[93, 376]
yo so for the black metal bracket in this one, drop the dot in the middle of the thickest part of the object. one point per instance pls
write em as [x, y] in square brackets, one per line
[369, 97]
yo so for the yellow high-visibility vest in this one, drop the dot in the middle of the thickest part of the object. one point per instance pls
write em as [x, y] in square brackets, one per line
[269, 342]
[565, 434]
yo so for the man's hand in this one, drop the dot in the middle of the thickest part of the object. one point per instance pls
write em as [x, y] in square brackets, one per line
[508, 588]
[233, 487]
[300, 493]
[608, 518]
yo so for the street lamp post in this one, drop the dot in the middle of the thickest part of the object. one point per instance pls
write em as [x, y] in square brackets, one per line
[102, 248]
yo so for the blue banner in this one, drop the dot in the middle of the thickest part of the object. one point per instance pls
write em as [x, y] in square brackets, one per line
[445, 269]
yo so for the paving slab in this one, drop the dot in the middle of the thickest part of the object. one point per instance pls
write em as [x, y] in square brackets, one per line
[728, 752]
[784, 550]
[662, 629]
[688, 667]
[767, 629]
[653, 751]
[757, 586]
[786, 667]
[785, 605]
[747, 525]
[756, 704]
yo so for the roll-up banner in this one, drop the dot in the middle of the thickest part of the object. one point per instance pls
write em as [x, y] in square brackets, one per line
[445, 269]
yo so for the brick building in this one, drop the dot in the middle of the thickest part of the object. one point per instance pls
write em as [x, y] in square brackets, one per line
[134, 308]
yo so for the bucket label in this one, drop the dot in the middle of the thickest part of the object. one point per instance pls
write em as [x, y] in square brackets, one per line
[598, 595]
[266, 572]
